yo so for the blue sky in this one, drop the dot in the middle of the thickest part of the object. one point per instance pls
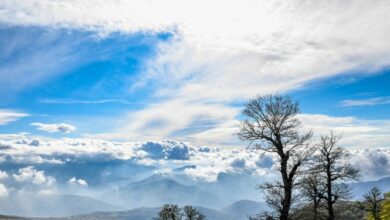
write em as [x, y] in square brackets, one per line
[92, 81]
[326, 96]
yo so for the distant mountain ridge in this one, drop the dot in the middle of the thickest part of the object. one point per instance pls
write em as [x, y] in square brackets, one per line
[236, 211]
[53, 205]
[157, 190]
[152, 192]
[360, 188]
[244, 208]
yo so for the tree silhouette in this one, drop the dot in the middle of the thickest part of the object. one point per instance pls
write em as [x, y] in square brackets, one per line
[371, 205]
[271, 126]
[173, 212]
[190, 213]
[313, 189]
[332, 163]
[169, 212]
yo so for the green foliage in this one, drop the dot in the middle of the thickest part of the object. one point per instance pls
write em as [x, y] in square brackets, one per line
[381, 210]
[344, 210]
[371, 204]
[385, 207]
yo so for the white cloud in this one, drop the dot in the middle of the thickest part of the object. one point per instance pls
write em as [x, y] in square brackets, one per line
[33, 55]
[78, 101]
[51, 128]
[366, 102]
[275, 49]
[3, 175]
[158, 155]
[3, 191]
[31, 175]
[7, 116]
[75, 181]
[113, 158]
[357, 133]
[196, 122]
[265, 161]
[166, 150]
[238, 163]
[373, 163]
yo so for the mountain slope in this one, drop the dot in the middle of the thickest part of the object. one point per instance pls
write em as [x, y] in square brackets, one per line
[152, 192]
[360, 188]
[236, 211]
[143, 214]
[52, 205]
[244, 208]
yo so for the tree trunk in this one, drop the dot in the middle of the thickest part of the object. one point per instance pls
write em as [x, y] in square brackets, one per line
[329, 196]
[286, 204]
[287, 190]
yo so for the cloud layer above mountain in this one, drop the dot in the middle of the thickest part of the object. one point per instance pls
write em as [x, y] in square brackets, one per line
[71, 165]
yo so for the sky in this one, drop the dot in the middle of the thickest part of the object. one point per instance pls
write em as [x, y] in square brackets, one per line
[128, 72]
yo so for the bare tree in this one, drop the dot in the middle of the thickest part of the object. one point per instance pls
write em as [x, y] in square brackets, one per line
[313, 189]
[190, 213]
[263, 216]
[271, 125]
[332, 162]
[169, 212]
[371, 204]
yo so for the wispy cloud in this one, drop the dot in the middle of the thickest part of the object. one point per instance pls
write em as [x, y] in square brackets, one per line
[32, 55]
[366, 102]
[51, 128]
[215, 58]
[7, 116]
[357, 133]
[96, 101]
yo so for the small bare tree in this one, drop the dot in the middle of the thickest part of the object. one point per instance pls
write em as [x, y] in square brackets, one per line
[169, 212]
[313, 189]
[371, 204]
[263, 216]
[332, 163]
[271, 126]
[190, 213]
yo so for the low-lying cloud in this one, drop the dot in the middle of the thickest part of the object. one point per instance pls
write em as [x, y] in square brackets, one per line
[166, 150]
[30, 175]
[74, 164]
[80, 182]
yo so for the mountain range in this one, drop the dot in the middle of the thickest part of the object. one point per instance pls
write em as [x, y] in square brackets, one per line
[141, 199]
[238, 210]
[360, 188]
